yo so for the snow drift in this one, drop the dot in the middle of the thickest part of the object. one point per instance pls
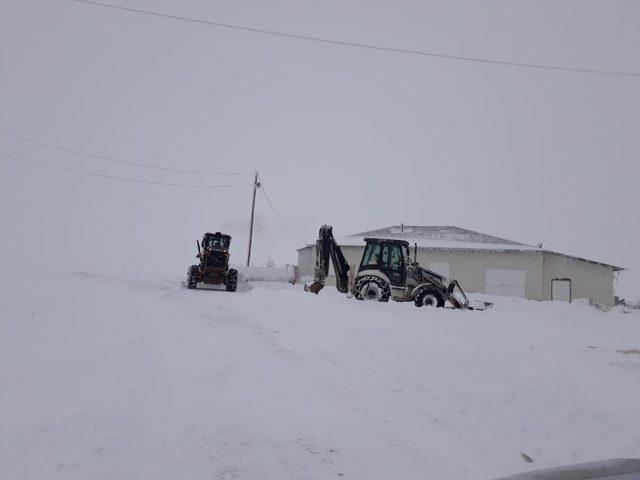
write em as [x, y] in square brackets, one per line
[119, 378]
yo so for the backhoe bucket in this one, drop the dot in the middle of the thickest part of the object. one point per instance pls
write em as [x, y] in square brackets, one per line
[313, 287]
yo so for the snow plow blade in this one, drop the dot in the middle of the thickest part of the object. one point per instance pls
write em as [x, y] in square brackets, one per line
[478, 305]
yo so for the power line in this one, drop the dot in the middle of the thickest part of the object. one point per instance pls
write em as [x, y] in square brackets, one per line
[292, 233]
[124, 179]
[110, 159]
[369, 46]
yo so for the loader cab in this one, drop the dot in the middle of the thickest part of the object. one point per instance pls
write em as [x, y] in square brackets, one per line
[216, 241]
[389, 257]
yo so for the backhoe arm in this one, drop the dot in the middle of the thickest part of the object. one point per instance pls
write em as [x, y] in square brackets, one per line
[326, 247]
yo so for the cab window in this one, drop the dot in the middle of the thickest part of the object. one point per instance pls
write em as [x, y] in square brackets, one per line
[395, 257]
[371, 255]
[392, 263]
[385, 255]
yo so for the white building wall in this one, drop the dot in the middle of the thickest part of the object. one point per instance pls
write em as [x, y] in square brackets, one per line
[469, 267]
[353, 255]
[588, 280]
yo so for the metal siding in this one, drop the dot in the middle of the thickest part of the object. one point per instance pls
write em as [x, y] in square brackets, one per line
[588, 280]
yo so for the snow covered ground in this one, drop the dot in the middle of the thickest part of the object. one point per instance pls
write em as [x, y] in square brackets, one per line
[112, 378]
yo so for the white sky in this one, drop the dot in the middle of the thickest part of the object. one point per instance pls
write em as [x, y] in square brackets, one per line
[355, 138]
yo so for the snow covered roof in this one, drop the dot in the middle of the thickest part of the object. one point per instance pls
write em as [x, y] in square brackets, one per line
[448, 237]
[441, 237]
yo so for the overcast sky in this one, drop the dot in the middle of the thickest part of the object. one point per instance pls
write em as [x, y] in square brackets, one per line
[356, 138]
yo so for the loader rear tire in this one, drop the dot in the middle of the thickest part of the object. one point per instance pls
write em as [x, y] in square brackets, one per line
[232, 280]
[372, 288]
[429, 297]
[192, 276]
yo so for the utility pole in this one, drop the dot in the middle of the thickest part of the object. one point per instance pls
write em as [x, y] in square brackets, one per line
[256, 185]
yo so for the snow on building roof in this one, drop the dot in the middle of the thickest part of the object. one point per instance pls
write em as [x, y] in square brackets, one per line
[443, 237]
[434, 233]
[448, 237]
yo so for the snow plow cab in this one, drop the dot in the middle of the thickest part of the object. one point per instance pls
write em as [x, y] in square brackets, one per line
[214, 263]
[386, 271]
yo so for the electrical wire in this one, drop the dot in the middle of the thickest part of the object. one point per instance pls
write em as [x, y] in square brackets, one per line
[292, 233]
[124, 179]
[369, 46]
[124, 162]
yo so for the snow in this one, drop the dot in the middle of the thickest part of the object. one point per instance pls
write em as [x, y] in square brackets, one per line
[119, 378]
[448, 233]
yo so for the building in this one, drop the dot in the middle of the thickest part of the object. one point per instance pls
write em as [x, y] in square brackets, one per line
[487, 264]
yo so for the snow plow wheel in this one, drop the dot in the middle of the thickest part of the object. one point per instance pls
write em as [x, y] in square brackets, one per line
[372, 288]
[192, 276]
[429, 297]
[232, 280]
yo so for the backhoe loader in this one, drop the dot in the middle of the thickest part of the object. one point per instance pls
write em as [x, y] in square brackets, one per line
[386, 272]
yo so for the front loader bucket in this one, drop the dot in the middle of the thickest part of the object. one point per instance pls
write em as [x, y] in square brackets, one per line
[314, 287]
[479, 305]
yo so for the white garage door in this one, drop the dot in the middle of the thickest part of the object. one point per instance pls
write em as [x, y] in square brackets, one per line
[504, 281]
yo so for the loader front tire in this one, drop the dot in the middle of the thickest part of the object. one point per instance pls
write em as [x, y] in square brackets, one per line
[232, 280]
[372, 288]
[429, 297]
